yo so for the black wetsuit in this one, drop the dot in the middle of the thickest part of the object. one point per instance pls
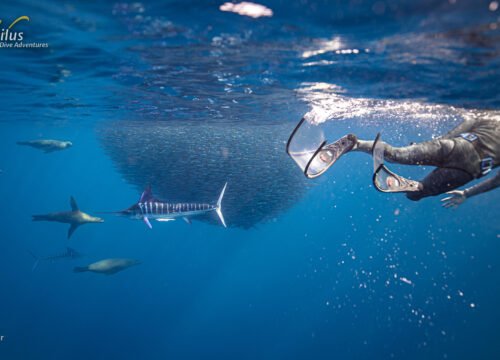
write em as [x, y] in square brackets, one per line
[463, 154]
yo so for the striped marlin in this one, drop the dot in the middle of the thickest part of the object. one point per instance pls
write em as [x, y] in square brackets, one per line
[148, 207]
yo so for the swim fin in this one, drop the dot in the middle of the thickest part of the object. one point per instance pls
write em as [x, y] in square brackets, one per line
[384, 179]
[327, 155]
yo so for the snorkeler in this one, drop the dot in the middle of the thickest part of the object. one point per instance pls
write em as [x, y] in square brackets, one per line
[469, 151]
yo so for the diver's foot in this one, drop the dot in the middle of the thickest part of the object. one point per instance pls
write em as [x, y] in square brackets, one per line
[352, 141]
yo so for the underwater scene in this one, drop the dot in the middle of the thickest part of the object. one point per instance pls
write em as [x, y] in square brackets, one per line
[287, 179]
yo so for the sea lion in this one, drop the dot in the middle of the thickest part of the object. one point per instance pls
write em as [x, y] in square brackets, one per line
[75, 217]
[47, 146]
[108, 266]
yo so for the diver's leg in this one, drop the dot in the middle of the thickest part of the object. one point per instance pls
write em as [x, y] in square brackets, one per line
[432, 152]
[440, 181]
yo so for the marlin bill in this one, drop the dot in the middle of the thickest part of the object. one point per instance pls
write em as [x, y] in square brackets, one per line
[148, 207]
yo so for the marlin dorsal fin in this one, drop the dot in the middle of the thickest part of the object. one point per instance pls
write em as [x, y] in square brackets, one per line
[72, 203]
[147, 195]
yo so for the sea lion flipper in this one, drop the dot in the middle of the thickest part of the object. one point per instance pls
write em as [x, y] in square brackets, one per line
[72, 203]
[71, 230]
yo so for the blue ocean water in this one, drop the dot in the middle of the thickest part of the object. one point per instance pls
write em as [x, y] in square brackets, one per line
[183, 96]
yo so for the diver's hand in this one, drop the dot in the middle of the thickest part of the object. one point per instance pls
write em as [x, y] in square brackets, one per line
[456, 198]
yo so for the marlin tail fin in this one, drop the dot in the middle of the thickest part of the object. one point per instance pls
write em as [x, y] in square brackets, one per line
[218, 207]
[37, 260]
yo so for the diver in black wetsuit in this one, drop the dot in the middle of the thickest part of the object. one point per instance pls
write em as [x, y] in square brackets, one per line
[469, 151]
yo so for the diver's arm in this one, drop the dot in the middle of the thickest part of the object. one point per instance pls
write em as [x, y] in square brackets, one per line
[483, 186]
[457, 197]
[463, 127]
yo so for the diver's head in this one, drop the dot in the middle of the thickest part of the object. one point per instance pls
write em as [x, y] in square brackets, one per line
[68, 144]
